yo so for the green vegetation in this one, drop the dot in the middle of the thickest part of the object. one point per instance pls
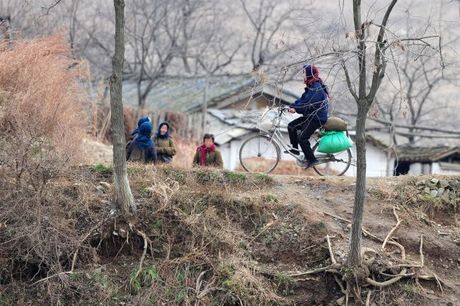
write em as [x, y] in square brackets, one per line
[284, 283]
[410, 290]
[263, 178]
[102, 169]
[234, 177]
[146, 278]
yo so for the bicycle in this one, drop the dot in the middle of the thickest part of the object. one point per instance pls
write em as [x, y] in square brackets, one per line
[261, 153]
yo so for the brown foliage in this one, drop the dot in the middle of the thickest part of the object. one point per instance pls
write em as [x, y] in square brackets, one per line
[41, 121]
[41, 126]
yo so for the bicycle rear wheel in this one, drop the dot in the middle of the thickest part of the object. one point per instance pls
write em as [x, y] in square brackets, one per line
[332, 164]
[259, 154]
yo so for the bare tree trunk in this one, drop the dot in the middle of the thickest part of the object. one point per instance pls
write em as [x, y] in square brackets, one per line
[354, 253]
[364, 101]
[123, 197]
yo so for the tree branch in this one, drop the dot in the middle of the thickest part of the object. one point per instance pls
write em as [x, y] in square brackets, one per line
[49, 8]
[379, 60]
[349, 84]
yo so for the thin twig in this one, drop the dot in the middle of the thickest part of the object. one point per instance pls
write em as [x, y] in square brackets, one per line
[318, 270]
[422, 258]
[342, 289]
[143, 253]
[74, 259]
[398, 222]
[49, 8]
[411, 265]
[54, 275]
[266, 227]
[331, 253]
[368, 299]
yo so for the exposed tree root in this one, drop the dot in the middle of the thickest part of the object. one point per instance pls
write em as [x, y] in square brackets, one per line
[382, 267]
[141, 262]
[398, 222]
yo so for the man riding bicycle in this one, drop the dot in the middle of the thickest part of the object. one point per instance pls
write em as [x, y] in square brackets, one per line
[313, 105]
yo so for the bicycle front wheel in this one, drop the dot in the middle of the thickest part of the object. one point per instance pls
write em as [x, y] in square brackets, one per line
[259, 154]
[332, 164]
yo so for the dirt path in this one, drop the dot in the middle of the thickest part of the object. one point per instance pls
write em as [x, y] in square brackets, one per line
[321, 197]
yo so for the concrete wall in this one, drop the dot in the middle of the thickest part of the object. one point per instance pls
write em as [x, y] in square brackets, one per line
[376, 162]
[431, 168]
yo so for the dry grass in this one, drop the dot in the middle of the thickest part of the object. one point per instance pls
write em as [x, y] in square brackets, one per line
[41, 126]
[40, 111]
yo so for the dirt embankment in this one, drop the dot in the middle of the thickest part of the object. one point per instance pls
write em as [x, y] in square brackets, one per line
[221, 238]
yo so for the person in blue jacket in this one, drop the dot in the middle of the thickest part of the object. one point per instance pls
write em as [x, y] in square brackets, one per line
[142, 149]
[313, 105]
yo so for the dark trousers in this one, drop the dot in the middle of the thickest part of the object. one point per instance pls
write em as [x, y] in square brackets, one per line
[306, 126]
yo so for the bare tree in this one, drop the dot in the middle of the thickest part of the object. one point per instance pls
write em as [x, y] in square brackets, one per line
[364, 98]
[174, 38]
[265, 26]
[413, 106]
[123, 197]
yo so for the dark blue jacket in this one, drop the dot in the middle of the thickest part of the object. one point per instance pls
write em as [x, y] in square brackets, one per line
[313, 103]
[142, 148]
[143, 155]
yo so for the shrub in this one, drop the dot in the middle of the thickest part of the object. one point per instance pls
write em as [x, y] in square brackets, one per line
[41, 126]
[40, 114]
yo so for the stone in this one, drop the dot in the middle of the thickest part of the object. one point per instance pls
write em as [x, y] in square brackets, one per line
[427, 190]
[105, 185]
[445, 196]
[100, 189]
[434, 193]
[434, 181]
[340, 301]
[443, 184]
[440, 192]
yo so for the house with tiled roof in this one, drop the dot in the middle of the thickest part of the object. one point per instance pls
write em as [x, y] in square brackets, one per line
[415, 160]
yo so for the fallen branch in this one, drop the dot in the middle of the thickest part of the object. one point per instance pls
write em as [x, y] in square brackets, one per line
[398, 222]
[330, 268]
[266, 227]
[74, 258]
[330, 250]
[368, 299]
[54, 275]
[143, 253]
[422, 258]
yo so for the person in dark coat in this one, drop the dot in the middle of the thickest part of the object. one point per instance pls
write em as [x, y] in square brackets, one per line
[313, 105]
[142, 149]
[207, 155]
[134, 132]
[164, 144]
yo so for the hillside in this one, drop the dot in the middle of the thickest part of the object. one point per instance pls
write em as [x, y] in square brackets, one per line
[221, 238]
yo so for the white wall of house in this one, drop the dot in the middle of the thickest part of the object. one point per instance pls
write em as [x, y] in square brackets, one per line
[420, 168]
[376, 162]
[436, 169]
[431, 168]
